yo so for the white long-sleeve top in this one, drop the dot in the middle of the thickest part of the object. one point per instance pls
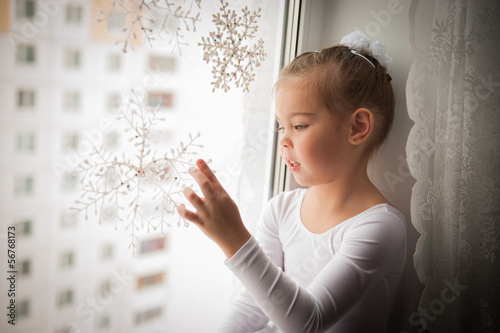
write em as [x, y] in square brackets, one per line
[343, 280]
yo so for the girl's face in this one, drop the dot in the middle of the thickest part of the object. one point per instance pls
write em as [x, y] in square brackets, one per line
[312, 142]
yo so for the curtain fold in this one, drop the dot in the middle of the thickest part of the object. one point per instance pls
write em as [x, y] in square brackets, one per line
[453, 96]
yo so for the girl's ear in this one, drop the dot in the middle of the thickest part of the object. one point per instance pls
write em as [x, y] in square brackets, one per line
[361, 122]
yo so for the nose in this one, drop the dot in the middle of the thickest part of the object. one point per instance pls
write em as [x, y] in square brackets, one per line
[285, 141]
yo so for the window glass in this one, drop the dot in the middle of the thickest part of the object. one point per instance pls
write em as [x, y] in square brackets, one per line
[95, 85]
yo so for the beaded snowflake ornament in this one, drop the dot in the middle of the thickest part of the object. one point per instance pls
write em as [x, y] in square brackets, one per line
[137, 186]
[229, 48]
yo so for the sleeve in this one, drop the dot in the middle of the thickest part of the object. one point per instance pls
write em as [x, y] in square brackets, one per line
[363, 257]
[245, 315]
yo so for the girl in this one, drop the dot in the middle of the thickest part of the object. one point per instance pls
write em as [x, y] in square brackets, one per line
[328, 258]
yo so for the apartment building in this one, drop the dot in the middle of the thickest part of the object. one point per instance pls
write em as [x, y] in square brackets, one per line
[61, 78]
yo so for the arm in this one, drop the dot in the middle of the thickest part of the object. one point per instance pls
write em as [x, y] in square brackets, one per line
[359, 263]
[364, 256]
[245, 315]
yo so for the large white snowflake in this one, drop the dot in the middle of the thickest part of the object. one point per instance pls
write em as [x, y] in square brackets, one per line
[228, 48]
[139, 187]
[155, 19]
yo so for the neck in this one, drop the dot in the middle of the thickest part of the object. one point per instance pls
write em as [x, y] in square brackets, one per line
[352, 188]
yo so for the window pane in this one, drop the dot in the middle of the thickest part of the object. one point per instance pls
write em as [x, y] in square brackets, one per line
[94, 105]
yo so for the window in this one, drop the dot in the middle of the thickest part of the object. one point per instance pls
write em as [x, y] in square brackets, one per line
[25, 9]
[107, 251]
[67, 259]
[72, 59]
[68, 220]
[22, 309]
[163, 99]
[104, 288]
[73, 14]
[69, 182]
[103, 322]
[24, 185]
[25, 54]
[162, 64]
[72, 101]
[150, 280]
[70, 141]
[65, 298]
[114, 62]
[112, 140]
[25, 142]
[24, 228]
[26, 98]
[115, 22]
[113, 102]
[24, 268]
[148, 315]
[152, 245]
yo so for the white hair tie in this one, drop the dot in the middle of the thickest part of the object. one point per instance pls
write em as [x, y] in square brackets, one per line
[358, 41]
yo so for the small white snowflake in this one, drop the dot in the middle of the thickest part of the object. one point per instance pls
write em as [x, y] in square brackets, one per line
[228, 49]
[154, 18]
[141, 189]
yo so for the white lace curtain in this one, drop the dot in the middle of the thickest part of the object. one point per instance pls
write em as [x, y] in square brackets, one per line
[453, 96]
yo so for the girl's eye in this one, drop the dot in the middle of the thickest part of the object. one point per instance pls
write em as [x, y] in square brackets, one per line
[300, 127]
[280, 129]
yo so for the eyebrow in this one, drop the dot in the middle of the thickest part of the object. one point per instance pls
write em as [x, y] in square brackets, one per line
[296, 114]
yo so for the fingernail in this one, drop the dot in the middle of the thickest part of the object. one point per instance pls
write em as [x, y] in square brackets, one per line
[192, 169]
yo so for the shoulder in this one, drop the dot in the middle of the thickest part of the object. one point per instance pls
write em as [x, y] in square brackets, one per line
[381, 224]
[285, 200]
[283, 207]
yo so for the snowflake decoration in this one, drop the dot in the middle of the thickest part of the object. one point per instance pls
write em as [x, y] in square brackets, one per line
[141, 188]
[227, 49]
[155, 20]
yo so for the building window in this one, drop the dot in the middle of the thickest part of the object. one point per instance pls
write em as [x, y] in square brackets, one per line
[69, 182]
[105, 288]
[150, 280]
[25, 142]
[112, 140]
[24, 268]
[70, 141]
[162, 64]
[72, 59]
[73, 14]
[24, 228]
[148, 315]
[164, 100]
[115, 22]
[113, 102]
[152, 245]
[25, 9]
[68, 220]
[25, 54]
[24, 185]
[65, 298]
[67, 259]
[114, 62]
[22, 309]
[103, 322]
[107, 251]
[25, 98]
[72, 101]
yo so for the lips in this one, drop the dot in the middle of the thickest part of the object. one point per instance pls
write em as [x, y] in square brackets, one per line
[293, 165]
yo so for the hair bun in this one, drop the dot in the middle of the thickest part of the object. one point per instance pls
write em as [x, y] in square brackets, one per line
[357, 40]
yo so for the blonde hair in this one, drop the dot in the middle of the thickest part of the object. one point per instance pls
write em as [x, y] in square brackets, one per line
[344, 82]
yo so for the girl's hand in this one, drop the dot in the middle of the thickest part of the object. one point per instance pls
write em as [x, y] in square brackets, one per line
[216, 214]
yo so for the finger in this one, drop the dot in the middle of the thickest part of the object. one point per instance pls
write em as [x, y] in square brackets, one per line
[205, 185]
[188, 215]
[193, 198]
[205, 169]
